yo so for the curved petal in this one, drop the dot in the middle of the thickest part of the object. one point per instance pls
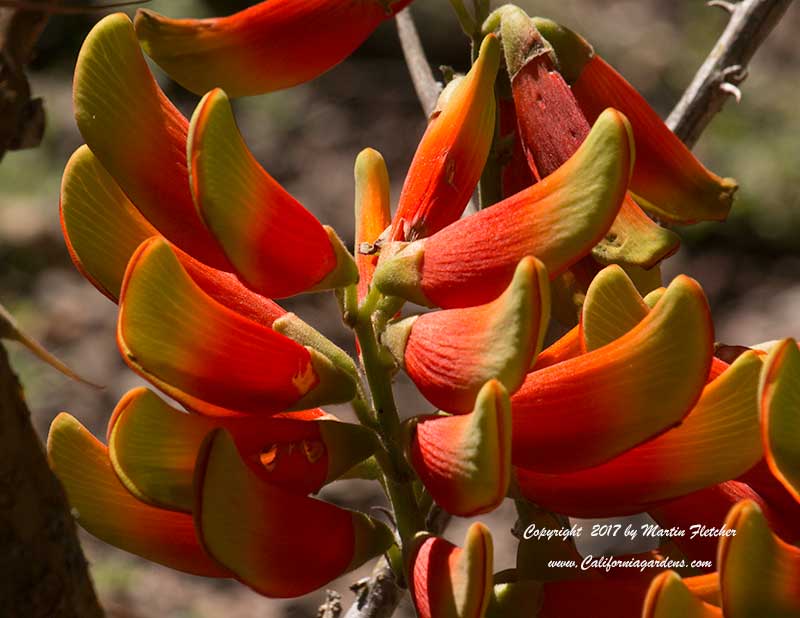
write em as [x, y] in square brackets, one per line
[714, 444]
[451, 354]
[465, 461]
[759, 574]
[153, 448]
[667, 178]
[669, 596]
[584, 411]
[613, 306]
[103, 229]
[784, 508]
[707, 509]
[277, 542]
[277, 247]
[373, 213]
[138, 135]
[634, 239]
[557, 220]
[705, 587]
[450, 582]
[226, 289]
[552, 127]
[780, 414]
[105, 509]
[452, 154]
[567, 347]
[205, 355]
[270, 46]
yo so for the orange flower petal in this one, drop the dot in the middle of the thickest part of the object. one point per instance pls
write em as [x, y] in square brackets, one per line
[279, 543]
[104, 508]
[138, 135]
[669, 596]
[709, 507]
[450, 582]
[613, 306]
[373, 213]
[714, 444]
[557, 220]
[207, 356]
[780, 414]
[567, 347]
[705, 587]
[277, 247]
[452, 153]
[451, 354]
[103, 229]
[784, 508]
[465, 461]
[153, 448]
[759, 574]
[552, 127]
[584, 411]
[270, 46]
[101, 226]
[667, 178]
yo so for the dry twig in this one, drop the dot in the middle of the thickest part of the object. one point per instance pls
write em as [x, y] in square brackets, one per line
[726, 66]
[428, 89]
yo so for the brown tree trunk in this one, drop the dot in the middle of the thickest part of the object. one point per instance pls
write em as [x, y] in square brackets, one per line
[43, 571]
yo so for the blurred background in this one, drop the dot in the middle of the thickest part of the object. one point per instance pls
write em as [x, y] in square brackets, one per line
[308, 138]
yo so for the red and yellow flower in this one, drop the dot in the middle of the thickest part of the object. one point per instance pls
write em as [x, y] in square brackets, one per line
[628, 412]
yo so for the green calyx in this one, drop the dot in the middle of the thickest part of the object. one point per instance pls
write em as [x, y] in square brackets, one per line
[345, 273]
[571, 50]
[400, 274]
[335, 386]
[395, 338]
[291, 326]
[348, 446]
[522, 42]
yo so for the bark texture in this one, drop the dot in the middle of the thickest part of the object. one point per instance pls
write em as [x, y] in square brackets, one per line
[43, 571]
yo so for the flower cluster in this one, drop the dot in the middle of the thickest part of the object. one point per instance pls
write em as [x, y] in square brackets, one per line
[634, 409]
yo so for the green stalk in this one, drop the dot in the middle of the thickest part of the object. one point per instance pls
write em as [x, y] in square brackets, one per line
[466, 20]
[398, 476]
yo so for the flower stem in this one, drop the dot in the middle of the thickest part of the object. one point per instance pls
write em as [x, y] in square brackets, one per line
[398, 475]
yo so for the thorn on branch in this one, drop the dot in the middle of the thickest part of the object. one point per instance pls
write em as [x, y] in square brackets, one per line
[728, 7]
[732, 90]
[735, 74]
[724, 69]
